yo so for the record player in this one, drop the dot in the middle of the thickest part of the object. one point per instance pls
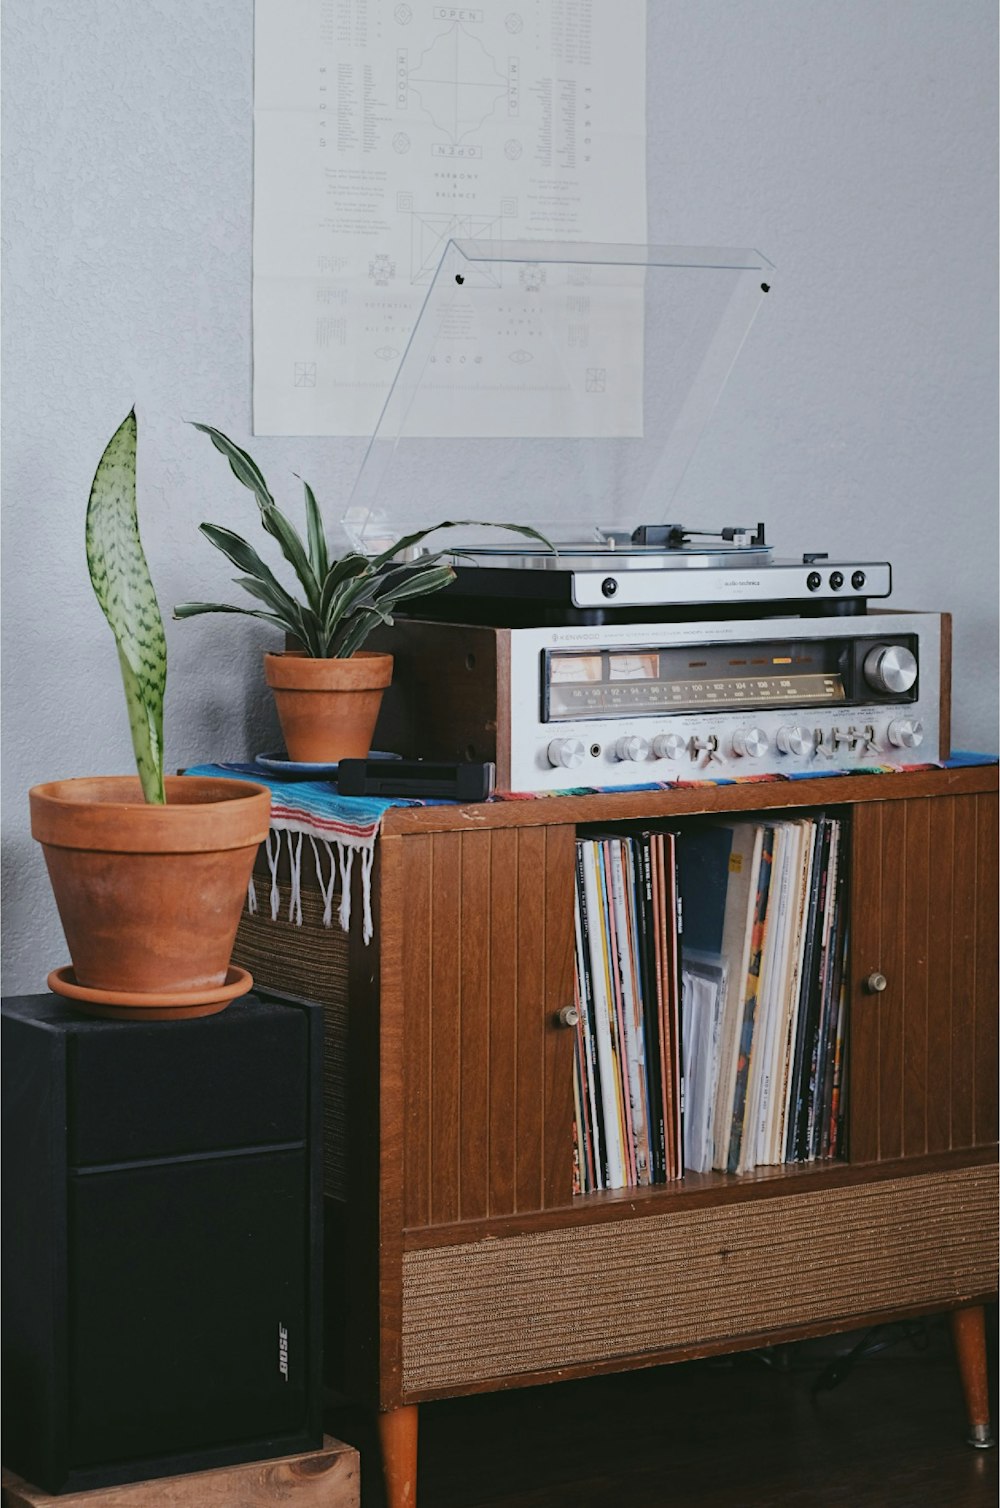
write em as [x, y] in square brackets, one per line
[566, 387]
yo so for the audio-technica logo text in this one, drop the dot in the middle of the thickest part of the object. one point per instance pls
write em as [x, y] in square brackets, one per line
[283, 1351]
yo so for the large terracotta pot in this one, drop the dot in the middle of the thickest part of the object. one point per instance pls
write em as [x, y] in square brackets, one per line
[149, 896]
[328, 708]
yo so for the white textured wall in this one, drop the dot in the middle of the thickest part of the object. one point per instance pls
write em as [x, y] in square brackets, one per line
[853, 141]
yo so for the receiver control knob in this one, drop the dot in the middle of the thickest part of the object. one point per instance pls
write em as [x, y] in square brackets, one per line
[753, 743]
[669, 745]
[906, 732]
[890, 668]
[565, 753]
[632, 748]
[794, 741]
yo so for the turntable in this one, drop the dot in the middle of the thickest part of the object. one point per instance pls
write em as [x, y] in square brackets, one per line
[629, 653]
[664, 572]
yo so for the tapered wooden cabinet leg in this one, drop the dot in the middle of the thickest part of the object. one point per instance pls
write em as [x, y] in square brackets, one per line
[397, 1431]
[968, 1327]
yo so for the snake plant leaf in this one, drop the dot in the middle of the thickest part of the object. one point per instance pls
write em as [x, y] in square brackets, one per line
[122, 584]
[243, 466]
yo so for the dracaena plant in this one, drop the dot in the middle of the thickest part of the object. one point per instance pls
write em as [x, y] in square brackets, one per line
[342, 598]
[121, 580]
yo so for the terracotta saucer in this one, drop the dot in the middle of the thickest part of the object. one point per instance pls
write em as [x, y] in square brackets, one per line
[158, 1005]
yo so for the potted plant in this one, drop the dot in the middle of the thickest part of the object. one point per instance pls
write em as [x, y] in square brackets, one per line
[150, 872]
[328, 690]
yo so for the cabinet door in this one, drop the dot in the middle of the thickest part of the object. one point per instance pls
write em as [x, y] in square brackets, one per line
[924, 905]
[488, 1069]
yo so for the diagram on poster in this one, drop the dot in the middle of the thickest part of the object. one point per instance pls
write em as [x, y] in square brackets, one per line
[382, 131]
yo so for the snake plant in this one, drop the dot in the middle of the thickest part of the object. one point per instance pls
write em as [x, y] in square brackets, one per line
[121, 580]
[342, 599]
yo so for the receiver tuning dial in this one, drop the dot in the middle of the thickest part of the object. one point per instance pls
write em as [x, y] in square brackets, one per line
[906, 732]
[669, 745]
[794, 741]
[565, 753]
[890, 668]
[632, 748]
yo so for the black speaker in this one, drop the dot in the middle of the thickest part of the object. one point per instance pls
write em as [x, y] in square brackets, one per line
[162, 1246]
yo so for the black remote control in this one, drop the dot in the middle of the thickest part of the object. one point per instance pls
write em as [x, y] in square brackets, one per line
[416, 777]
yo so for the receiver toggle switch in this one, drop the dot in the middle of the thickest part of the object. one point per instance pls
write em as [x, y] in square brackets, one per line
[708, 746]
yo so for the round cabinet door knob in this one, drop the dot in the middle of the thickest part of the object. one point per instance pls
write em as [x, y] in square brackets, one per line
[632, 748]
[906, 733]
[890, 668]
[794, 741]
[565, 753]
[569, 1016]
[669, 745]
[753, 743]
[876, 983]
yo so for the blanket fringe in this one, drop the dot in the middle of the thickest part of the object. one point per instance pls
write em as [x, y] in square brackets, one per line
[339, 862]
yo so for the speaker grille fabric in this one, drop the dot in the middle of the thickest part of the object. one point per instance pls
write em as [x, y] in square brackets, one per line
[522, 1304]
[310, 961]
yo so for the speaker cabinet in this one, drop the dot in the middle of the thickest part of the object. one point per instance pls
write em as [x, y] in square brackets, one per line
[162, 1252]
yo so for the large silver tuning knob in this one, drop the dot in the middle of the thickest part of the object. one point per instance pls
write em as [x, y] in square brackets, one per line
[890, 668]
[632, 748]
[566, 753]
[794, 740]
[669, 745]
[753, 743]
[906, 732]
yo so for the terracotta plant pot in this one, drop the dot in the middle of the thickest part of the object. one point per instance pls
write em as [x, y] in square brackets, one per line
[328, 708]
[150, 896]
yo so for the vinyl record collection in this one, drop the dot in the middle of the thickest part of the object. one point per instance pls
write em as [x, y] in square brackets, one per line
[711, 998]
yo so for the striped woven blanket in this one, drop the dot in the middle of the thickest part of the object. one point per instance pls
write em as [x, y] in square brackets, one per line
[338, 827]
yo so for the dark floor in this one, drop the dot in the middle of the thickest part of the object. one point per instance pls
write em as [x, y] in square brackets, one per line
[741, 1432]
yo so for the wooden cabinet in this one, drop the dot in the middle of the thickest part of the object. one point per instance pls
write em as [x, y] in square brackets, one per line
[463, 1259]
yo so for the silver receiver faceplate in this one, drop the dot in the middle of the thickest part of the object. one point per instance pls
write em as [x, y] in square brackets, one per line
[634, 704]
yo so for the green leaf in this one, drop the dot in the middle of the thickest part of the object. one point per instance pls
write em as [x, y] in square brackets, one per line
[420, 584]
[197, 609]
[245, 558]
[122, 584]
[352, 592]
[278, 526]
[408, 540]
[356, 631]
[346, 567]
[263, 593]
[318, 557]
[243, 466]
